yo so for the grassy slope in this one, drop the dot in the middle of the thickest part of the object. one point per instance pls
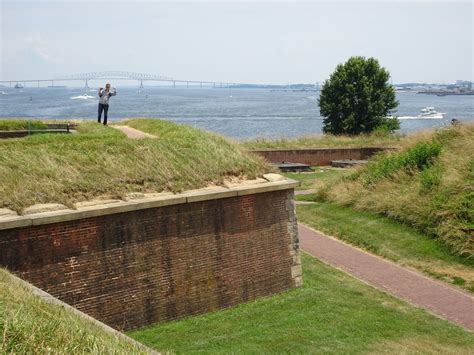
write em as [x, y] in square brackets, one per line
[436, 198]
[391, 240]
[332, 312]
[29, 325]
[327, 141]
[102, 162]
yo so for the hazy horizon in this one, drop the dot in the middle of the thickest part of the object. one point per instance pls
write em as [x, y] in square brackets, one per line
[264, 42]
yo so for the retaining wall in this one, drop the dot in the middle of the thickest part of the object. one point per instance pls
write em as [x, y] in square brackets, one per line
[131, 264]
[317, 157]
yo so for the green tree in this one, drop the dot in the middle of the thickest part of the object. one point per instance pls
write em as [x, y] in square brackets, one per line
[357, 98]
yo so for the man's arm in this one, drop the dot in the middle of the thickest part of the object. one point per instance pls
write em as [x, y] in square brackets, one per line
[100, 92]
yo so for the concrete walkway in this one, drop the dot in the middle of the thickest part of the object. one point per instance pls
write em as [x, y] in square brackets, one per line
[132, 132]
[437, 297]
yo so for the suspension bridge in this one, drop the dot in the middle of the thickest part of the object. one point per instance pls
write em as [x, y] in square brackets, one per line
[119, 75]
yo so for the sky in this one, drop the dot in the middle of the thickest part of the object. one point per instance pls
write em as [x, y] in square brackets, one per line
[246, 42]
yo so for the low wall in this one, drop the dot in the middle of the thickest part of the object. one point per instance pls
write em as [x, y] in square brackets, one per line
[131, 264]
[317, 157]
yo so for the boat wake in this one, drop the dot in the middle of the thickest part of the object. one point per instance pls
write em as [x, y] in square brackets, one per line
[420, 118]
[82, 97]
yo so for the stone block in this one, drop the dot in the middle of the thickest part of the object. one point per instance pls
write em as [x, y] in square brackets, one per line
[296, 271]
[5, 212]
[297, 259]
[273, 177]
[298, 281]
[44, 207]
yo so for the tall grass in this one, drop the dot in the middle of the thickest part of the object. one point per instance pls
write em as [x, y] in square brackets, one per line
[429, 184]
[102, 162]
[28, 325]
[15, 125]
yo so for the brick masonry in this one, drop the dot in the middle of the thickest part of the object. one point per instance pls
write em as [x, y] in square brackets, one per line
[317, 157]
[145, 266]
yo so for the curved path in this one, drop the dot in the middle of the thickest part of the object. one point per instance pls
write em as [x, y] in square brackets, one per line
[437, 297]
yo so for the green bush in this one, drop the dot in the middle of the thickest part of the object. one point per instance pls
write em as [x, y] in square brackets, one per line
[358, 98]
[419, 157]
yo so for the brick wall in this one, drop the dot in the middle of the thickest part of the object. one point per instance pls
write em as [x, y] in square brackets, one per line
[317, 157]
[141, 267]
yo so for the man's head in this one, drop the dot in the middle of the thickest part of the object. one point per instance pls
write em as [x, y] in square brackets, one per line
[107, 86]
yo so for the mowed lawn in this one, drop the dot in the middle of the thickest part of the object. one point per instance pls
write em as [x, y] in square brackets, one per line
[319, 174]
[332, 312]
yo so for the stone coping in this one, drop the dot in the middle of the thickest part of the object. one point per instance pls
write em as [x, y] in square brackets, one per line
[139, 202]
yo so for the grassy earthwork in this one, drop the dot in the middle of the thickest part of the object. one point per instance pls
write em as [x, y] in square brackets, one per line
[331, 312]
[100, 162]
[413, 206]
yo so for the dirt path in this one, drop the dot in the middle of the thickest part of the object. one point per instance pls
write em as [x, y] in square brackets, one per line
[435, 296]
[133, 133]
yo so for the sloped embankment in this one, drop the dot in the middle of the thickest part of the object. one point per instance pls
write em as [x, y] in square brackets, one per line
[429, 184]
[100, 162]
[30, 325]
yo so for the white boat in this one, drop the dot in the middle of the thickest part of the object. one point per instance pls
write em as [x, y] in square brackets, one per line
[3, 93]
[83, 97]
[430, 112]
[427, 113]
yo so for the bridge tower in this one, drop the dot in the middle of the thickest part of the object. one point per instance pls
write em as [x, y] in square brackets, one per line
[141, 84]
[86, 86]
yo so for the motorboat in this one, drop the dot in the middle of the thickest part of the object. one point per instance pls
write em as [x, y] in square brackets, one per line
[18, 86]
[83, 97]
[430, 112]
[427, 113]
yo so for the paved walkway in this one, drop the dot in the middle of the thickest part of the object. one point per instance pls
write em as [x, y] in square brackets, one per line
[435, 296]
[132, 132]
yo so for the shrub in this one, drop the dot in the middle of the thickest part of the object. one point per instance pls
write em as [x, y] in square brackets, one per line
[358, 98]
[419, 157]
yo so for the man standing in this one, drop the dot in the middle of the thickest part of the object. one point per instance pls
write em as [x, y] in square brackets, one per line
[104, 96]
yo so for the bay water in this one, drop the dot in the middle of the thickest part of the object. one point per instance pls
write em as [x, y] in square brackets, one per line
[236, 113]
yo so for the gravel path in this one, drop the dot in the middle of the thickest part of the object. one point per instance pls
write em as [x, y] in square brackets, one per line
[435, 296]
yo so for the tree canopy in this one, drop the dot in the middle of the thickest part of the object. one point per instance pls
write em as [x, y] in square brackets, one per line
[358, 98]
